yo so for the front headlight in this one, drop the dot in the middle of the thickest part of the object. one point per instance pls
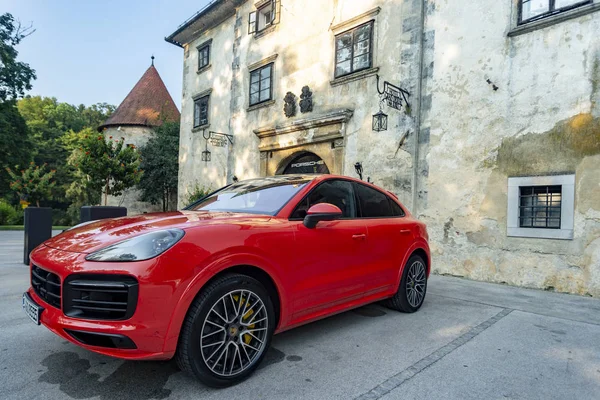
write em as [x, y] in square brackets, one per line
[139, 248]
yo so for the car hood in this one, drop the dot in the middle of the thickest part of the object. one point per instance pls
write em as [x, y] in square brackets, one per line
[99, 234]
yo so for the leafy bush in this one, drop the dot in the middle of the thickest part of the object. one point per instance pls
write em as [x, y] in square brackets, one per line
[7, 213]
[61, 218]
[32, 184]
[17, 218]
[197, 192]
[106, 165]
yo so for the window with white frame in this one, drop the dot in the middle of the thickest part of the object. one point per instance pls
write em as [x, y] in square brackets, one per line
[531, 10]
[541, 206]
[266, 15]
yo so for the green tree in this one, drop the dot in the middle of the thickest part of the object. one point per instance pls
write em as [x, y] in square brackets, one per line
[160, 163]
[107, 165]
[33, 184]
[14, 142]
[56, 128]
[15, 76]
[15, 79]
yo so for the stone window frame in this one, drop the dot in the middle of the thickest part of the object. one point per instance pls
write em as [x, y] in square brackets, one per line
[197, 98]
[258, 71]
[207, 45]
[258, 65]
[361, 19]
[543, 21]
[567, 213]
[254, 17]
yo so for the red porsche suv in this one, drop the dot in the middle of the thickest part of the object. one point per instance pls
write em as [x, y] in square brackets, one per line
[211, 284]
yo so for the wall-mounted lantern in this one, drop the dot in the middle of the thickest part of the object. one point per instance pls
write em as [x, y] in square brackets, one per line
[394, 97]
[215, 139]
[206, 155]
[380, 121]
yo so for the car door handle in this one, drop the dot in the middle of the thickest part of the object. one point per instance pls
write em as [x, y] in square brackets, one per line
[405, 231]
[362, 236]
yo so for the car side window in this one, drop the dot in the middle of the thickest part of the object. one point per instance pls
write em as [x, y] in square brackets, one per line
[374, 204]
[337, 192]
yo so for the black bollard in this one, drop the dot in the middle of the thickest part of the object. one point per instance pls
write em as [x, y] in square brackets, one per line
[92, 213]
[38, 229]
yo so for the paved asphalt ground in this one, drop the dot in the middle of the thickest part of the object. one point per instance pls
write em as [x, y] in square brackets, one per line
[470, 340]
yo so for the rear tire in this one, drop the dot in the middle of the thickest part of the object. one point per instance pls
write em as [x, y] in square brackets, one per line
[413, 287]
[227, 331]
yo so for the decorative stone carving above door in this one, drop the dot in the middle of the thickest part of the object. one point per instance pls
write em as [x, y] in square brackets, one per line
[322, 135]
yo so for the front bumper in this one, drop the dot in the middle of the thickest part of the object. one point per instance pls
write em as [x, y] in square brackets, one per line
[146, 328]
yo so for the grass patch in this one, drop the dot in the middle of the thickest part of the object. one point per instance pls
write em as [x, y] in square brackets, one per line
[20, 228]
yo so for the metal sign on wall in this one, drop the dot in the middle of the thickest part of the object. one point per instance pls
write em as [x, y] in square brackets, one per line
[393, 95]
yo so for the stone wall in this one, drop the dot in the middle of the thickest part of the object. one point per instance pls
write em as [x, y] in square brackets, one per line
[543, 119]
[301, 46]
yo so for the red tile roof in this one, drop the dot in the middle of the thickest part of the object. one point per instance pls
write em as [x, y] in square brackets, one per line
[148, 104]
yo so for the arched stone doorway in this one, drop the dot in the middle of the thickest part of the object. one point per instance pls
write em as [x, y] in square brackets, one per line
[303, 162]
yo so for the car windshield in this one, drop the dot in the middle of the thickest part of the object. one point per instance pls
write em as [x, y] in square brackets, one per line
[256, 196]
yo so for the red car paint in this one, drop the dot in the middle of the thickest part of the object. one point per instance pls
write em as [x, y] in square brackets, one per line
[318, 272]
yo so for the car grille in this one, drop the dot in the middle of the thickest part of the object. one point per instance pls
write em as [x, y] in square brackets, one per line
[46, 285]
[103, 297]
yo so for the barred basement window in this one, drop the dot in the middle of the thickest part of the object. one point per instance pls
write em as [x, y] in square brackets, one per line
[203, 56]
[540, 206]
[353, 50]
[261, 84]
[531, 10]
[201, 111]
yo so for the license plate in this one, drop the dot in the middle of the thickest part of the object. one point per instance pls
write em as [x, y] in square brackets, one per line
[31, 308]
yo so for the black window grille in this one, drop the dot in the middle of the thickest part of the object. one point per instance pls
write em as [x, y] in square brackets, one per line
[354, 50]
[203, 56]
[531, 10]
[201, 111]
[540, 206]
[261, 84]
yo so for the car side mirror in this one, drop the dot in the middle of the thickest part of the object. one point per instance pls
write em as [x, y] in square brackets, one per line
[321, 212]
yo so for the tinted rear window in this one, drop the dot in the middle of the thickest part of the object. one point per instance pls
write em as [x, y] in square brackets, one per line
[375, 204]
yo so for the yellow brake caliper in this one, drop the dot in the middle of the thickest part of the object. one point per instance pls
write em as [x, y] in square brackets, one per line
[245, 337]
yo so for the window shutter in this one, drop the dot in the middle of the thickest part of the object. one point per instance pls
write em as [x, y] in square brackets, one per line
[252, 22]
[275, 4]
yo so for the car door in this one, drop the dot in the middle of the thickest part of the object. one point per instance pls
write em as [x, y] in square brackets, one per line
[389, 237]
[330, 257]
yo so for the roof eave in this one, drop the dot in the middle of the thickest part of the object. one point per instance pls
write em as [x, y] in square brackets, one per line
[210, 16]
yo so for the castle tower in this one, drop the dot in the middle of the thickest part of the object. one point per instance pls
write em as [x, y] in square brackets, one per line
[147, 106]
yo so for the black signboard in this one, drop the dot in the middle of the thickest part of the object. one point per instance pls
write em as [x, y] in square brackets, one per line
[307, 163]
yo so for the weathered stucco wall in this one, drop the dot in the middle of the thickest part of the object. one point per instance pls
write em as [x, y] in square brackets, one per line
[542, 120]
[138, 136]
[302, 45]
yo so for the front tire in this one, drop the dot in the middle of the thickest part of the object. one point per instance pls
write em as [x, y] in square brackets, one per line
[413, 287]
[227, 331]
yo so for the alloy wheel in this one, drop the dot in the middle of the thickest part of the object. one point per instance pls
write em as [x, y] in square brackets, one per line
[234, 333]
[415, 284]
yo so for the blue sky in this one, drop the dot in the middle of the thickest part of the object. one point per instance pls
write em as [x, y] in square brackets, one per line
[91, 51]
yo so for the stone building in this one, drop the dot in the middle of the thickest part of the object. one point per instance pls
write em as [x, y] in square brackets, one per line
[493, 118]
[147, 106]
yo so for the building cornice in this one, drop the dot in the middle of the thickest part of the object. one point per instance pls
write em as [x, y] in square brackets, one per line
[342, 26]
[213, 14]
[334, 117]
